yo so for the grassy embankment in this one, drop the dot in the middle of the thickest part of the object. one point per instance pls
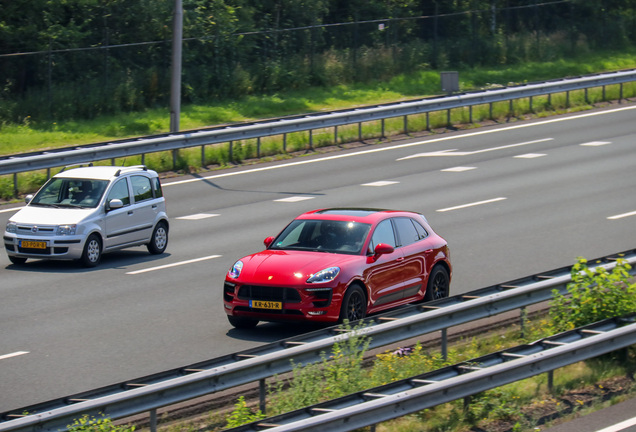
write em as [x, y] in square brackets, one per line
[30, 135]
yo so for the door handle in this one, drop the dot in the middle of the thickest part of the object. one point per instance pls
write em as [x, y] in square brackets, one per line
[130, 212]
[400, 259]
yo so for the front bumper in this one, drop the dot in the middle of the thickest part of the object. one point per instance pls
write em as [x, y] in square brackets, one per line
[55, 247]
[315, 304]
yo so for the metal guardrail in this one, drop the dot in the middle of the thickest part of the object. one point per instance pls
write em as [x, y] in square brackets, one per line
[170, 387]
[403, 397]
[124, 148]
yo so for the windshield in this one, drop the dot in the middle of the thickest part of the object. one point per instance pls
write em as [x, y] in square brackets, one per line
[323, 235]
[65, 192]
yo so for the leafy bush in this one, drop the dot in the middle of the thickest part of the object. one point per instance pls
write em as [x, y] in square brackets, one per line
[242, 414]
[94, 424]
[594, 295]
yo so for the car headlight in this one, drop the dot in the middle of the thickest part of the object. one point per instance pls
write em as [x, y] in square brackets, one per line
[325, 275]
[12, 227]
[66, 229]
[235, 271]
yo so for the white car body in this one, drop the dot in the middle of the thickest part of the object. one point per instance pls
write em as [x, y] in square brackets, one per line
[130, 211]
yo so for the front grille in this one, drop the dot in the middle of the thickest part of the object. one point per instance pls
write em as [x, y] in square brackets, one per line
[36, 229]
[268, 293]
[46, 251]
[270, 311]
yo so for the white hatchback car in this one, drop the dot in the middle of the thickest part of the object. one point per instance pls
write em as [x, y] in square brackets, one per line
[84, 212]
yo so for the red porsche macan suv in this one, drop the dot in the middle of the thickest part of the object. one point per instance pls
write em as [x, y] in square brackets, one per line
[338, 264]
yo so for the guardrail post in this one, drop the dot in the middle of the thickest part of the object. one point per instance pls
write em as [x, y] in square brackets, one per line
[202, 156]
[567, 99]
[230, 152]
[603, 93]
[620, 97]
[531, 110]
[311, 139]
[360, 131]
[406, 125]
[284, 143]
[262, 395]
[153, 420]
[551, 381]
[258, 147]
[470, 114]
[523, 314]
[490, 110]
[428, 121]
[445, 344]
[15, 185]
[382, 135]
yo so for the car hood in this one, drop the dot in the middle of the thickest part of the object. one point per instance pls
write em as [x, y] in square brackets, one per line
[51, 216]
[289, 267]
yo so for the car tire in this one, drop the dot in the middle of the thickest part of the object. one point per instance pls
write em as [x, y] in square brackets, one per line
[17, 260]
[354, 305]
[438, 285]
[159, 240]
[92, 254]
[242, 323]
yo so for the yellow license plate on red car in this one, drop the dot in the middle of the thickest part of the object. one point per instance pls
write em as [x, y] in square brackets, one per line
[260, 304]
[28, 244]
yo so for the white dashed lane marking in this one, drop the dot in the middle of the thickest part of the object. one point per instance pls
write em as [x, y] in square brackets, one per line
[459, 169]
[530, 156]
[180, 263]
[294, 199]
[595, 143]
[472, 204]
[621, 216]
[197, 216]
[380, 183]
[15, 354]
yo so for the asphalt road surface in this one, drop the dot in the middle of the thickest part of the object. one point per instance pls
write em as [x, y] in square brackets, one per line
[512, 200]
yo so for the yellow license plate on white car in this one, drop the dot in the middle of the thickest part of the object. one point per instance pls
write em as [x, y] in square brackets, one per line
[260, 304]
[29, 244]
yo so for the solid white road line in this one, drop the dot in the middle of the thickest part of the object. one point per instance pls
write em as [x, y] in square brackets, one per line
[406, 145]
[173, 264]
[15, 354]
[619, 426]
[472, 204]
[621, 216]
[11, 209]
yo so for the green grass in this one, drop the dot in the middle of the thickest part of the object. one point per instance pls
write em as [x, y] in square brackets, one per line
[29, 136]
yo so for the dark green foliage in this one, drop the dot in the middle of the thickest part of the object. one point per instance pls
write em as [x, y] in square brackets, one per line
[82, 59]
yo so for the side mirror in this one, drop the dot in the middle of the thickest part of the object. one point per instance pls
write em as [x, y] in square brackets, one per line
[268, 241]
[114, 204]
[382, 248]
[28, 198]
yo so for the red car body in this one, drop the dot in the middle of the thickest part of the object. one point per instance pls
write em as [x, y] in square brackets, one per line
[332, 265]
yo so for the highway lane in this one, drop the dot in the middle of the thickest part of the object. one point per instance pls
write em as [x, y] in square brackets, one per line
[512, 200]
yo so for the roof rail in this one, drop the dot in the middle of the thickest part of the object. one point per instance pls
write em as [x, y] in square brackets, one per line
[90, 164]
[132, 167]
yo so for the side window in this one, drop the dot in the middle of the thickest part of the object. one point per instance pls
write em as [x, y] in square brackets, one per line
[406, 231]
[141, 188]
[120, 191]
[157, 187]
[383, 234]
[421, 231]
